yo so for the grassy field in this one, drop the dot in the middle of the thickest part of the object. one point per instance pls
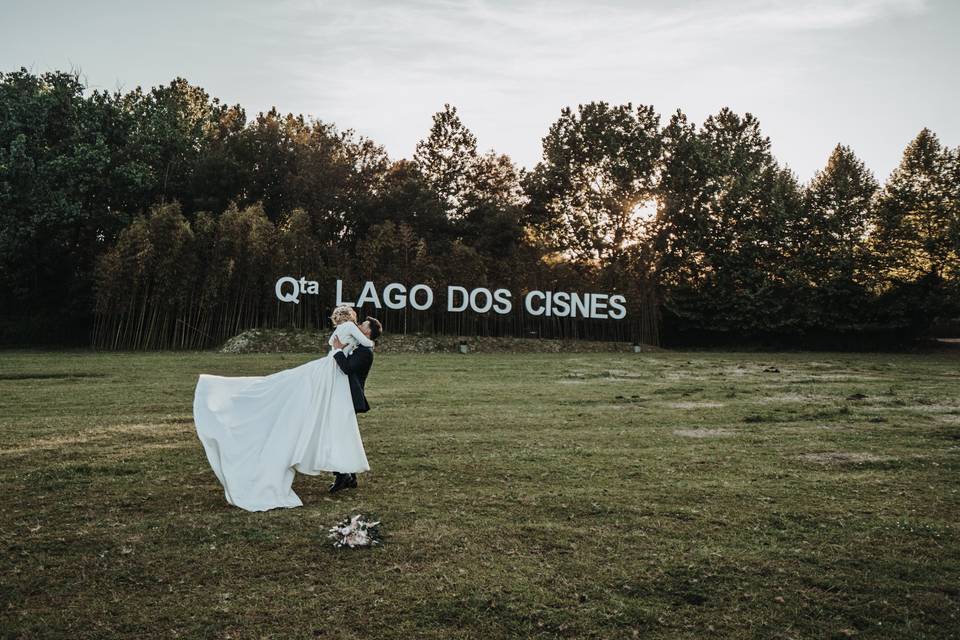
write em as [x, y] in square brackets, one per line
[666, 495]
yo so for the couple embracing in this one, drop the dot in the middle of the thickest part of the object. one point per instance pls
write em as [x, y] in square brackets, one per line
[258, 431]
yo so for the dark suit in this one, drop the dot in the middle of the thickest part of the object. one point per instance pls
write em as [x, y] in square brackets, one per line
[357, 366]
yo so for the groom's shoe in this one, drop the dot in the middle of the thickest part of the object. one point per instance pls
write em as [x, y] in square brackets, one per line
[341, 481]
[353, 481]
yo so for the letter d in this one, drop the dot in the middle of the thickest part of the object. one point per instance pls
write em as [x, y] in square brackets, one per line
[464, 295]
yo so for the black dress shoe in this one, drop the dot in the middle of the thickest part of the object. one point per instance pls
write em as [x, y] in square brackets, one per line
[341, 481]
[353, 481]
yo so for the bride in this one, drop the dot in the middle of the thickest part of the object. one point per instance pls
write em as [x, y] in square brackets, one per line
[258, 430]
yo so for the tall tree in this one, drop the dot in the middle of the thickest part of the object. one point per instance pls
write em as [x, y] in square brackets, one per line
[481, 194]
[172, 124]
[447, 158]
[404, 197]
[917, 223]
[917, 235]
[838, 205]
[830, 242]
[146, 282]
[220, 175]
[60, 183]
[599, 167]
[722, 227]
[492, 220]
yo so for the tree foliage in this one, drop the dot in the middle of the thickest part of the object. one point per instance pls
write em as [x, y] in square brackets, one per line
[162, 218]
[599, 166]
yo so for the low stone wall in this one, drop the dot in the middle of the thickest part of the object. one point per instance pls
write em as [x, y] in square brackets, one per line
[301, 341]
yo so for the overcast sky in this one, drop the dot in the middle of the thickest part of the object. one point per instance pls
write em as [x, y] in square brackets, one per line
[867, 73]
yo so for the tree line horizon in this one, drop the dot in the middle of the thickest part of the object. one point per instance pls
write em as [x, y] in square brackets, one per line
[162, 219]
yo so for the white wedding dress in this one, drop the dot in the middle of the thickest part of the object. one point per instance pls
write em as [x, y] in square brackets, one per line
[258, 430]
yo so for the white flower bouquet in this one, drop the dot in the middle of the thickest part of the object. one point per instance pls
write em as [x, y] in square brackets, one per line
[355, 532]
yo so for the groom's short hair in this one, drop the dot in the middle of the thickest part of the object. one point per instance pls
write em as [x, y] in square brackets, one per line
[375, 328]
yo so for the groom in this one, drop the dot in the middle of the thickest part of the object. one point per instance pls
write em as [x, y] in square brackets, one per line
[356, 366]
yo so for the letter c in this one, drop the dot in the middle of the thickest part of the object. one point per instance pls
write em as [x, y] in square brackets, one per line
[527, 302]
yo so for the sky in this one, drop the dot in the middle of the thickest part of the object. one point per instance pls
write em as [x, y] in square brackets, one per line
[866, 73]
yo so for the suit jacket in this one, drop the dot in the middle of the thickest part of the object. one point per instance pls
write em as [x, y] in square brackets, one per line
[356, 366]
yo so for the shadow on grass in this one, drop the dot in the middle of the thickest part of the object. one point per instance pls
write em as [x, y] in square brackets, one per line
[49, 376]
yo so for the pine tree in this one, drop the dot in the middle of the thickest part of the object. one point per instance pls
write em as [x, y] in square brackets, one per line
[447, 160]
[831, 242]
[838, 203]
[917, 214]
[917, 240]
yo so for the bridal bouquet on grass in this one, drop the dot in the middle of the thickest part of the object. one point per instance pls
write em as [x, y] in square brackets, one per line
[355, 532]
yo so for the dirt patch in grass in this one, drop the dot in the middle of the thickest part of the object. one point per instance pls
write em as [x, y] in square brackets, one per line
[703, 433]
[844, 377]
[931, 408]
[604, 375]
[928, 410]
[694, 405]
[94, 435]
[843, 457]
[737, 371]
[674, 377]
[786, 398]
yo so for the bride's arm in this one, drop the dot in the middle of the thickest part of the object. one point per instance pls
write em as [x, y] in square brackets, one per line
[354, 331]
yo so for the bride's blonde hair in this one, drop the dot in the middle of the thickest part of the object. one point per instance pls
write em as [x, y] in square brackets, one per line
[342, 314]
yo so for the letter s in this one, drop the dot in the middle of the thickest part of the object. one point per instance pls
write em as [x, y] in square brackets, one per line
[503, 305]
[617, 310]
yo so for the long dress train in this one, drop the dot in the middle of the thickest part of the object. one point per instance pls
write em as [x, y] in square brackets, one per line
[258, 430]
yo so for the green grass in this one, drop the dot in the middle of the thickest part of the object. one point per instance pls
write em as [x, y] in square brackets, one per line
[667, 495]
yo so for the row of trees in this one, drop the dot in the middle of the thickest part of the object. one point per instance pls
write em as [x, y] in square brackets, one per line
[163, 218]
[170, 282]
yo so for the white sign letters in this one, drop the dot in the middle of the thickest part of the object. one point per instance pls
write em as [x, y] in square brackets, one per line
[559, 304]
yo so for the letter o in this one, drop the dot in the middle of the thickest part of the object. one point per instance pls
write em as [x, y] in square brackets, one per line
[473, 300]
[413, 297]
